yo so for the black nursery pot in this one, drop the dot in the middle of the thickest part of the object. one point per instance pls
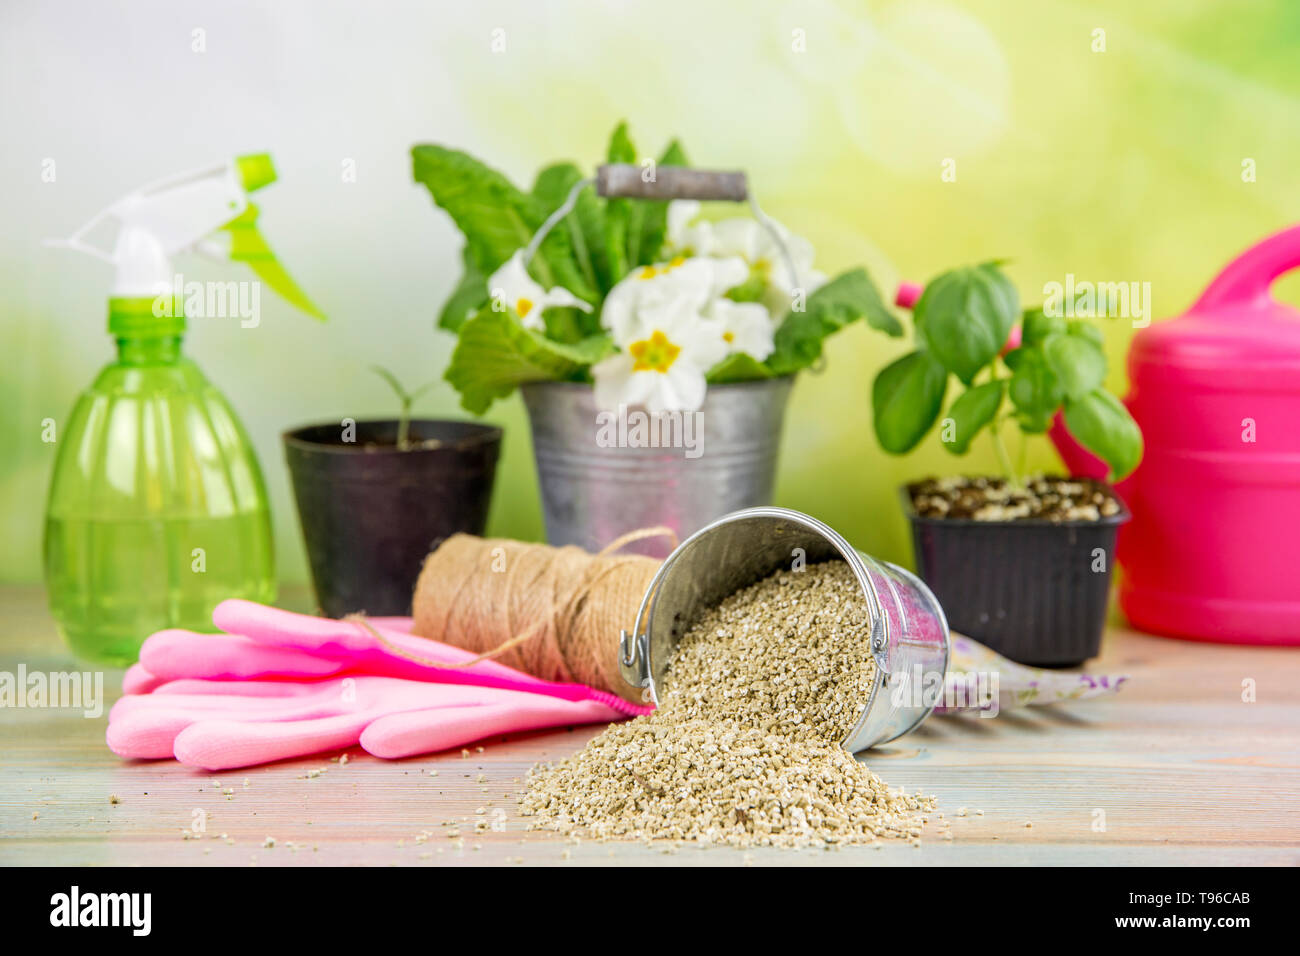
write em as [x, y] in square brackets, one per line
[371, 513]
[1027, 589]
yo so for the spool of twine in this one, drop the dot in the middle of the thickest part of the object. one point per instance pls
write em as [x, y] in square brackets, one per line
[555, 613]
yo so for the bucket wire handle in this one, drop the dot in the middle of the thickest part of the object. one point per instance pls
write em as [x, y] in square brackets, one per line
[632, 656]
[625, 181]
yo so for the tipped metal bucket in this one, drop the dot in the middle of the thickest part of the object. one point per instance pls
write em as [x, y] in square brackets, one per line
[603, 474]
[909, 632]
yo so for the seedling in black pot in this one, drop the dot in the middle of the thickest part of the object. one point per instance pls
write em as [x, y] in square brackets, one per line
[375, 497]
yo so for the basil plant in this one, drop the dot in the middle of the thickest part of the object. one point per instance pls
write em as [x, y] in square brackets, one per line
[963, 321]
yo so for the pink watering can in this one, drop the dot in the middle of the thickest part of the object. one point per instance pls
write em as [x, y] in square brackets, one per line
[1213, 550]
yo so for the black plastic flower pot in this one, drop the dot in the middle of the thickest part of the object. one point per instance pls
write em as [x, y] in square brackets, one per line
[1034, 591]
[371, 512]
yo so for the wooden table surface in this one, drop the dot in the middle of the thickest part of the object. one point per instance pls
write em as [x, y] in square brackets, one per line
[1177, 767]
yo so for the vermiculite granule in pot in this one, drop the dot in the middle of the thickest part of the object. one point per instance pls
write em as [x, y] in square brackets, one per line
[744, 748]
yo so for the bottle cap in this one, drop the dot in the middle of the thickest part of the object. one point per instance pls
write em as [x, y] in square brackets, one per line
[131, 317]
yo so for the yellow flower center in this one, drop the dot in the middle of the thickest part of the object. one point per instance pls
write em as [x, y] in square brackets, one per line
[655, 354]
[523, 307]
[650, 272]
[728, 337]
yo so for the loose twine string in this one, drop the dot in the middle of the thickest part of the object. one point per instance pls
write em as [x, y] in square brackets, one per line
[555, 613]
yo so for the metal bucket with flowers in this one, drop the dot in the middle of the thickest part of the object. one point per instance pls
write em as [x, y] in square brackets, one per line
[655, 349]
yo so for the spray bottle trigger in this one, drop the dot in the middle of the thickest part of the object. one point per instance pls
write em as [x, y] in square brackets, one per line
[248, 245]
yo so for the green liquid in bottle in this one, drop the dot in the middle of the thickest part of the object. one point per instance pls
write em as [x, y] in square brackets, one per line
[113, 583]
[157, 509]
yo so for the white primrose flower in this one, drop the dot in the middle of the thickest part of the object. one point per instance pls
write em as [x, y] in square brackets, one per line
[748, 239]
[683, 235]
[746, 327]
[512, 286]
[662, 367]
[681, 283]
[672, 324]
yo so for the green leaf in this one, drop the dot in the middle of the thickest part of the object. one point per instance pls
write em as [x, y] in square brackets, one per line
[737, 367]
[586, 228]
[416, 393]
[905, 399]
[551, 189]
[964, 316]
[1037, 325]
[1101, 424]
[552, 185]
[973, 409]
[591, 215]
[401, 393]
[621, 215]
[569, 325]
[467, 298]
[617, 215]
[495, 354]
[654, 214]
[753, 289]
[621, 148]
[1086, 330]
[846, 298]
[1034, 389]
[495, 217]
[1079, 365]
[586, 224]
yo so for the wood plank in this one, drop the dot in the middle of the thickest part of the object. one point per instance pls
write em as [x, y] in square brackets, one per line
[1184, 771]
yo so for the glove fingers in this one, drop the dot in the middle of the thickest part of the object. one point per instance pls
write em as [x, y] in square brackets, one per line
[204, 706]
[145, 736]
[144, 727]
[276, 627]
[223, 744]
[137, 680]
[149, 726]
[175, 654]
[350, 642]
[426, 731]
[244, 688]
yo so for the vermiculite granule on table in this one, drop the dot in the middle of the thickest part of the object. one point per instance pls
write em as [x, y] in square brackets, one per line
[744, 748]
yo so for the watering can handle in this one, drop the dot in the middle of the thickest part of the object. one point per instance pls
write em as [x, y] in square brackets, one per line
[1247, 279]
[625, 181]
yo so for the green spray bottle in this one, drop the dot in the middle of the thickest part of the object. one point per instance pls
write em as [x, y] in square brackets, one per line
[157, 509]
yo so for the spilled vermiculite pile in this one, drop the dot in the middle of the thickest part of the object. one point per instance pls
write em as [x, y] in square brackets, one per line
[744, 748]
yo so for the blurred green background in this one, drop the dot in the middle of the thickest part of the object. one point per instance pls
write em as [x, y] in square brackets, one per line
[1122, 164]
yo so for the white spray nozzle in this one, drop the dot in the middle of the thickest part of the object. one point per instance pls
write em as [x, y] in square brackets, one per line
[190, 211]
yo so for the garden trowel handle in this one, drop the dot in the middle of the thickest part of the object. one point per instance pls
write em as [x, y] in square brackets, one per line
[626, 181]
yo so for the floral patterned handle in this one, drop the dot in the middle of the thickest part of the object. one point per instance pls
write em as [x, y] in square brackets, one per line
[972, 666]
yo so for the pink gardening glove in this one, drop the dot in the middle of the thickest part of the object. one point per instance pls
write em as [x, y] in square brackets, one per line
[217, 725]
[266, 642]
[287, 685]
